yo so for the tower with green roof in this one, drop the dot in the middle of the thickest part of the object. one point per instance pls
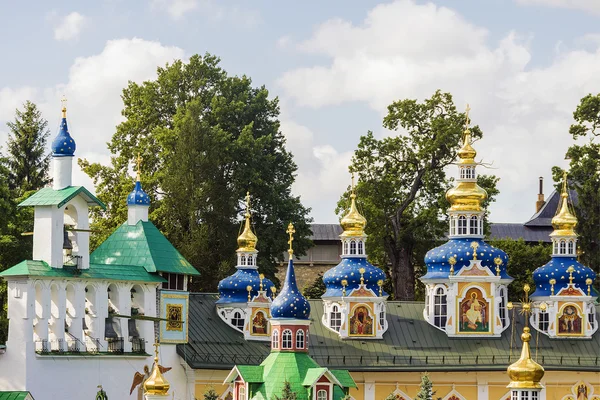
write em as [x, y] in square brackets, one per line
[289, 361]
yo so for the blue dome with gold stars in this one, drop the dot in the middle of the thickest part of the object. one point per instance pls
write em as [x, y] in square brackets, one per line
[290, 303]
[63, 144]
[438, 266]
[138, 197]
[234, 288]
[556, 269]
[348, 270]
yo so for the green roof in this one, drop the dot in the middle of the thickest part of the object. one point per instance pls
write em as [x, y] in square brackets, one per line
[50, 197]
[312, 375]
[14, 395]
[96, 271]
[144, 245]
[410, 344]
[344, 377]
[251, 373]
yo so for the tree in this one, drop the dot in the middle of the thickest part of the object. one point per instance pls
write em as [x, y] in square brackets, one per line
[316, 289]
[523, 259]
[27, 159]
[206, 138]
[402, 183]
[286, 393]
[211, 394]
[584, 177]
[426, 391]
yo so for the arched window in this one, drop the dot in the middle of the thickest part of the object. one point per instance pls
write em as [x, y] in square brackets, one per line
[345, 247]
[275, 339]
[543, 321]
[250, 260]
[427, 298]
[462, 225]
[563, 247]
[322, 394]
[382, 319]
[300, 339]
[592, 315]
[335, 319]
[440, 308]
[452, 226]
[243, 260]
[571, 247]
[242, 392]
[463, 173]
[286, 339]
[474, 225]
[502, 308]
[555, 247]
[353, 247]
[481, 226]
[361, 249]
[238, 320]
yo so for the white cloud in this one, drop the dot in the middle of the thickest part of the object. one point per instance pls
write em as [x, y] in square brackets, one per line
[404, 50]
[69, 27]
[212, 10]
[583, 5]
[176, 8]
[93, 90]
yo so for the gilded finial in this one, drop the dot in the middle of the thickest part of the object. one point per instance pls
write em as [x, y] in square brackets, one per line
[498, 262]
[247, 240]
[273, 291]
[138, 162]
[564, 222]
[156, 383]
[452, 261]
[552, 283]
[353, 223]
[344, 284]
[63, 102]
[261, 277]
[467, 119]
[249, 289]
[247, 214]
[290, 231]
[474, 246]
[380, 284]
[589, 282]
[362, 278]
[570, 270]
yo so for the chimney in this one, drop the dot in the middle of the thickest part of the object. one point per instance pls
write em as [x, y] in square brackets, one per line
[540, 201]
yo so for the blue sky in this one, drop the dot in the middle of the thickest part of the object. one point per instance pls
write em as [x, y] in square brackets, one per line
[521, 64]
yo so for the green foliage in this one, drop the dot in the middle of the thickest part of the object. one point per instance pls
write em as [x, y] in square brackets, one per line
[28, 160]
[286, 393]
[523, 259]
[426, 391]
[402, 184]
[205, 138]
[211, 394]
[316, 289]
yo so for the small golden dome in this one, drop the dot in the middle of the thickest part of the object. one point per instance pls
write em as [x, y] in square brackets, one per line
[156, 382]
[564, 222]
[247, 240]
[467, 153]
[353, 223]
[525, 373]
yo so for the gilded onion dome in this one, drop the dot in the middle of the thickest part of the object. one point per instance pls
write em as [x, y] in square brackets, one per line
[525, 373]
[564, 221]
[156, 382]
[353, 223]
[247, 240]
[467, 195]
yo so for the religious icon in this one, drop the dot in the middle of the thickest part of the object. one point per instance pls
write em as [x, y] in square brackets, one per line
[570, 321]
[361, 323]
[175, 317]
[582, 392]
[259, 324]
[474, 315]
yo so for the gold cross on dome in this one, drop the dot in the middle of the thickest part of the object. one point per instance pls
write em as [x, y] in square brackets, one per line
[290, 231]
[352, 182]
[63, 102]
[156, 345]
[468, 121]
[247, 204]
[138, 162]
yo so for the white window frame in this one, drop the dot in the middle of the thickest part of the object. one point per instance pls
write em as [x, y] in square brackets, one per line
[462, 225]
[352, 247]
[242, 388]
[360, 248]
[300, 339]
[286, 340]
[438, 314]
[474, 227]
[335, 315]
[275, 339]
[241, 317]
[321, 391]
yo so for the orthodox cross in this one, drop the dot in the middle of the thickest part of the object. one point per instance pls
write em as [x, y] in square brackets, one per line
[352, 182]
[156, 344]
[138, 162]
[63, 102]
[290, 231]
[247, 204]
[526, 307]
[468, 121]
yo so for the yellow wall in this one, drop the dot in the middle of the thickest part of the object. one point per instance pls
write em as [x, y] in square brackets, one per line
[558, 383]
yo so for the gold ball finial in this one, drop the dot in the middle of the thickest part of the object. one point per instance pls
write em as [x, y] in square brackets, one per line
[344, 284]
[543, 306]
[249, 289]
[526, 288]
[552, 282]
[273, 291]
[380, 284]
[570, 270]
[589, 282]
[452, 261]
[498, 262]
[362, 278]
[261, 277]
[474, 246]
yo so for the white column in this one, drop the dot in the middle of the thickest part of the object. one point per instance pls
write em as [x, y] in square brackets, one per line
[482, 390]
[101, 305]
[124, 307]
[48, 235]
[136, 213]
[62, 168]
[369, 390]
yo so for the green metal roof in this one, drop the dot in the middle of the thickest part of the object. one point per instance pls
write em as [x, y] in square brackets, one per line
[144, 245]
[50, 197]
[312, 375]
[410, 344]
[251, 373]
[96, 271]
[344, 377]
[14, 395]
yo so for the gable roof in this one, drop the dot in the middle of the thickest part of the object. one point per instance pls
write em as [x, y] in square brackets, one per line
[143, 245]
[518, 231]
[50, 197]
[410, 344]
[548, 210]
[96, 271]
[15, 396]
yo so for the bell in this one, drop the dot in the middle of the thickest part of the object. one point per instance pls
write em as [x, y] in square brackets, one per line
[67, 245]
[84, 325]
[133, 332]
[109, 330]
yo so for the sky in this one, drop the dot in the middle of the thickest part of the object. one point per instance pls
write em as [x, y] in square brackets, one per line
[335, 65]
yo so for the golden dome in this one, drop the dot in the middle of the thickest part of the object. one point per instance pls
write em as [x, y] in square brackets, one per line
[467, 153]
[247, 240]
[353, 223]
[564, 222]
[156, 382]
[525, 373]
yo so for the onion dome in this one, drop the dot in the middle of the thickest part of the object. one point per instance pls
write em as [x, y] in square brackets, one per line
[156, 382]
[438, 264]
[555, 275]
[290, 303]
[467, 195]
[564, 221]
[138, 197]
[348, 272]
[63, 144]
[353, 223]
[525, 373]
[234, 288]
[247, 240]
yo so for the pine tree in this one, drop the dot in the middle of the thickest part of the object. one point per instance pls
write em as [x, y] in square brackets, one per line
[27, 158]
[426, 391]
[211, 394]
[286, 393]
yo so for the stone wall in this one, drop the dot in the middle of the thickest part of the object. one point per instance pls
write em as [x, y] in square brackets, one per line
[305, 273]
